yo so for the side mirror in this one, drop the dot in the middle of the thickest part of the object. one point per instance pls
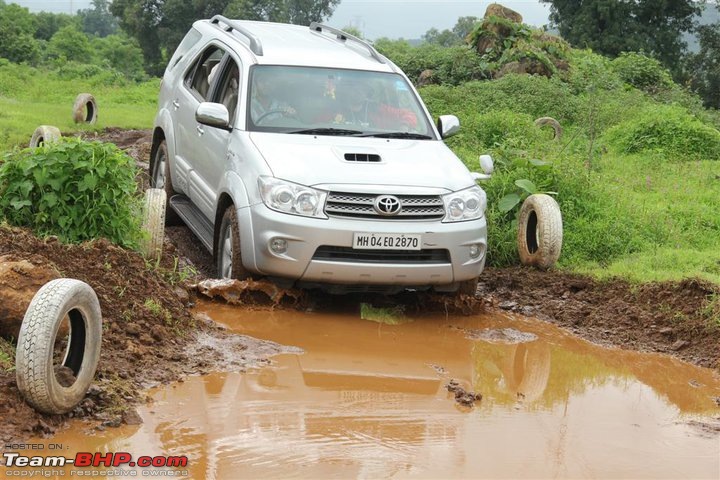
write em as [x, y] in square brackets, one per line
[487, 165]
[448, 125]
[213, 115]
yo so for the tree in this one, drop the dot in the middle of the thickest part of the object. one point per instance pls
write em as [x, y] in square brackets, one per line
[704, 66]
[159, 25]
[71, 44]
[456, 36]
[48, 23]
[121, 53]
[614, 26]
[445, 38]
[98, 20]
[17, 27]
[464, 26]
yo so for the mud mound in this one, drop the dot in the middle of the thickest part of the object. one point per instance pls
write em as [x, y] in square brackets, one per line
[679, 318]
[146, 330]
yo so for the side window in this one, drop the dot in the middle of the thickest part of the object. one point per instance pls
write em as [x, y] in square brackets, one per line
[229, 88]
[201, 76]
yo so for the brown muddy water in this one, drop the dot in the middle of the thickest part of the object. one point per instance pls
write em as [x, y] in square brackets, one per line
[369, 400]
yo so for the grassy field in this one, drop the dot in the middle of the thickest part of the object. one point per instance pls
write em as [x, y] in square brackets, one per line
[637, 173]
[31, 97]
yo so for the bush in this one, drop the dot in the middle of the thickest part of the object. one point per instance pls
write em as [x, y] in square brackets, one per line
[73, 189]
[668, 131]
[505, 127]
[450, 66]
[642, 72]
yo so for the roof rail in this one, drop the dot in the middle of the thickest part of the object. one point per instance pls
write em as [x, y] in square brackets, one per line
[255, 43]
[343, 36]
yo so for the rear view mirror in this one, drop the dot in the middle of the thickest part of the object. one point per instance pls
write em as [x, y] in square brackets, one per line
[213, 115]
[448, 125]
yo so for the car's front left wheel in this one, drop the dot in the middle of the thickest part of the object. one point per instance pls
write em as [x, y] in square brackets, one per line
[229, 260]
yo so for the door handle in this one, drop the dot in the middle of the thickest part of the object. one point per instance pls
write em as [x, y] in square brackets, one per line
[176, 104]
[200, 130]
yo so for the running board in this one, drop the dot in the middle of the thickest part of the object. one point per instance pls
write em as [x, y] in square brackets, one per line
[194, 219]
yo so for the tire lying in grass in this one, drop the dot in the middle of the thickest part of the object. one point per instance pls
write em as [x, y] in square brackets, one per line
[85, 109]
[59, 346]
[540, 231]
[44, 134]
[543, 121]
[154, 223]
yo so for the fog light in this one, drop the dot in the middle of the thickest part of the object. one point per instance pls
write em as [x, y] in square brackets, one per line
[278, 245]
[475, 250]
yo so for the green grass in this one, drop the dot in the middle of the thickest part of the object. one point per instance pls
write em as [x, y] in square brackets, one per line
[7, 356]
[30, 97]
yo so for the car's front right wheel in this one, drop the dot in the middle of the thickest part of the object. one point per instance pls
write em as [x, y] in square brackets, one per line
[229, 261]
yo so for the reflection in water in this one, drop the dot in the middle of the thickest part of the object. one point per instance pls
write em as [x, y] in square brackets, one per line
[369, 400]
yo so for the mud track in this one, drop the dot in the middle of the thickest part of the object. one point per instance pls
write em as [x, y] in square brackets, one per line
[143, 346]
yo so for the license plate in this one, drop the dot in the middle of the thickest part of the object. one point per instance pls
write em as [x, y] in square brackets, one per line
[386, 241]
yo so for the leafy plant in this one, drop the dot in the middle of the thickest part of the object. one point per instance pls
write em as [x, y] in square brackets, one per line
[525, 188]
[73, 189]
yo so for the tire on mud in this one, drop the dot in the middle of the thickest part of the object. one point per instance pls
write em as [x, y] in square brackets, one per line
[34, 364]
[44, 134]
[543, 121]
[85, 109]
[160, 178]
[154, 223]
[229, 237]
[540, 231]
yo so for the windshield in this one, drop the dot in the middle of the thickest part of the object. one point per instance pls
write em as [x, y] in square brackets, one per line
[309, 100]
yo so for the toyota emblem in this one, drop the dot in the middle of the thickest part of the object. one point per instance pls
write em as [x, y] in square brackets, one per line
[387, 205]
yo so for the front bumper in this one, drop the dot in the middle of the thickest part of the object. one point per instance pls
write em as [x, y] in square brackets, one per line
[305, 235]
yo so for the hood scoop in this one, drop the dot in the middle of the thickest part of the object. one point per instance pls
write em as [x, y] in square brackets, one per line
[362, 157]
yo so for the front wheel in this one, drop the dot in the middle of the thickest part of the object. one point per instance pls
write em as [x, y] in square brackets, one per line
[160, 178]
[229, 261]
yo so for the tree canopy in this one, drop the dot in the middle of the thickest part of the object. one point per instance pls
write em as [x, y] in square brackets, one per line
[614, 26]
[159, 25]
[456, 36]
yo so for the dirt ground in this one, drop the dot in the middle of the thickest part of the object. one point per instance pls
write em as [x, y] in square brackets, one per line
[145, 346]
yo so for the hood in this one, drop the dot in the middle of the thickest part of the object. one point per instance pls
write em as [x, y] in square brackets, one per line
[320, 161]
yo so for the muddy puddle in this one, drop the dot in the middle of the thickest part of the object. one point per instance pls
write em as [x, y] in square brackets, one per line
[370, 400]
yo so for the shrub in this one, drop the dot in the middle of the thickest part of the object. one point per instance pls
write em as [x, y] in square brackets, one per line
[505, 127]
[668, 131]
[642, 72]
[73, 189]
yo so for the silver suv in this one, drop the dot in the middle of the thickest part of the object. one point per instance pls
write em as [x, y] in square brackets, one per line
[303, 155]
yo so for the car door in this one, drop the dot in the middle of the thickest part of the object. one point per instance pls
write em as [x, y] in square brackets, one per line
[196, 87]
[213, 155]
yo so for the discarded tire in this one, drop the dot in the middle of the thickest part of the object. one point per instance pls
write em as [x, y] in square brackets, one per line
[85, 109]
[154, 223]
[543, 121]
[540, 231]
[53, 383]
[44, 134]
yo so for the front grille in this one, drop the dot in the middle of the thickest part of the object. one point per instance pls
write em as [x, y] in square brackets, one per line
[347, 254]
[361, 205]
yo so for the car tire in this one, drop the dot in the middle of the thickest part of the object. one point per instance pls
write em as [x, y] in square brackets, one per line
[557, 128]
[540, 231]
[160, 178]
[35, 368]
[44, 134]
[85, 109]
[154, 223]
[229, 259]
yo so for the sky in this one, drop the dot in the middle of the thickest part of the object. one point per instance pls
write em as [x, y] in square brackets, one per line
[375, 18]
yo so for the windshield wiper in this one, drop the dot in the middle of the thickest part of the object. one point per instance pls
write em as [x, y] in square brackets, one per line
[326, 131]
[417, 136]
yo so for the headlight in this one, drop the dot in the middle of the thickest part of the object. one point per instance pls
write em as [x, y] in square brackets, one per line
[468, 204]
[288, 197]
